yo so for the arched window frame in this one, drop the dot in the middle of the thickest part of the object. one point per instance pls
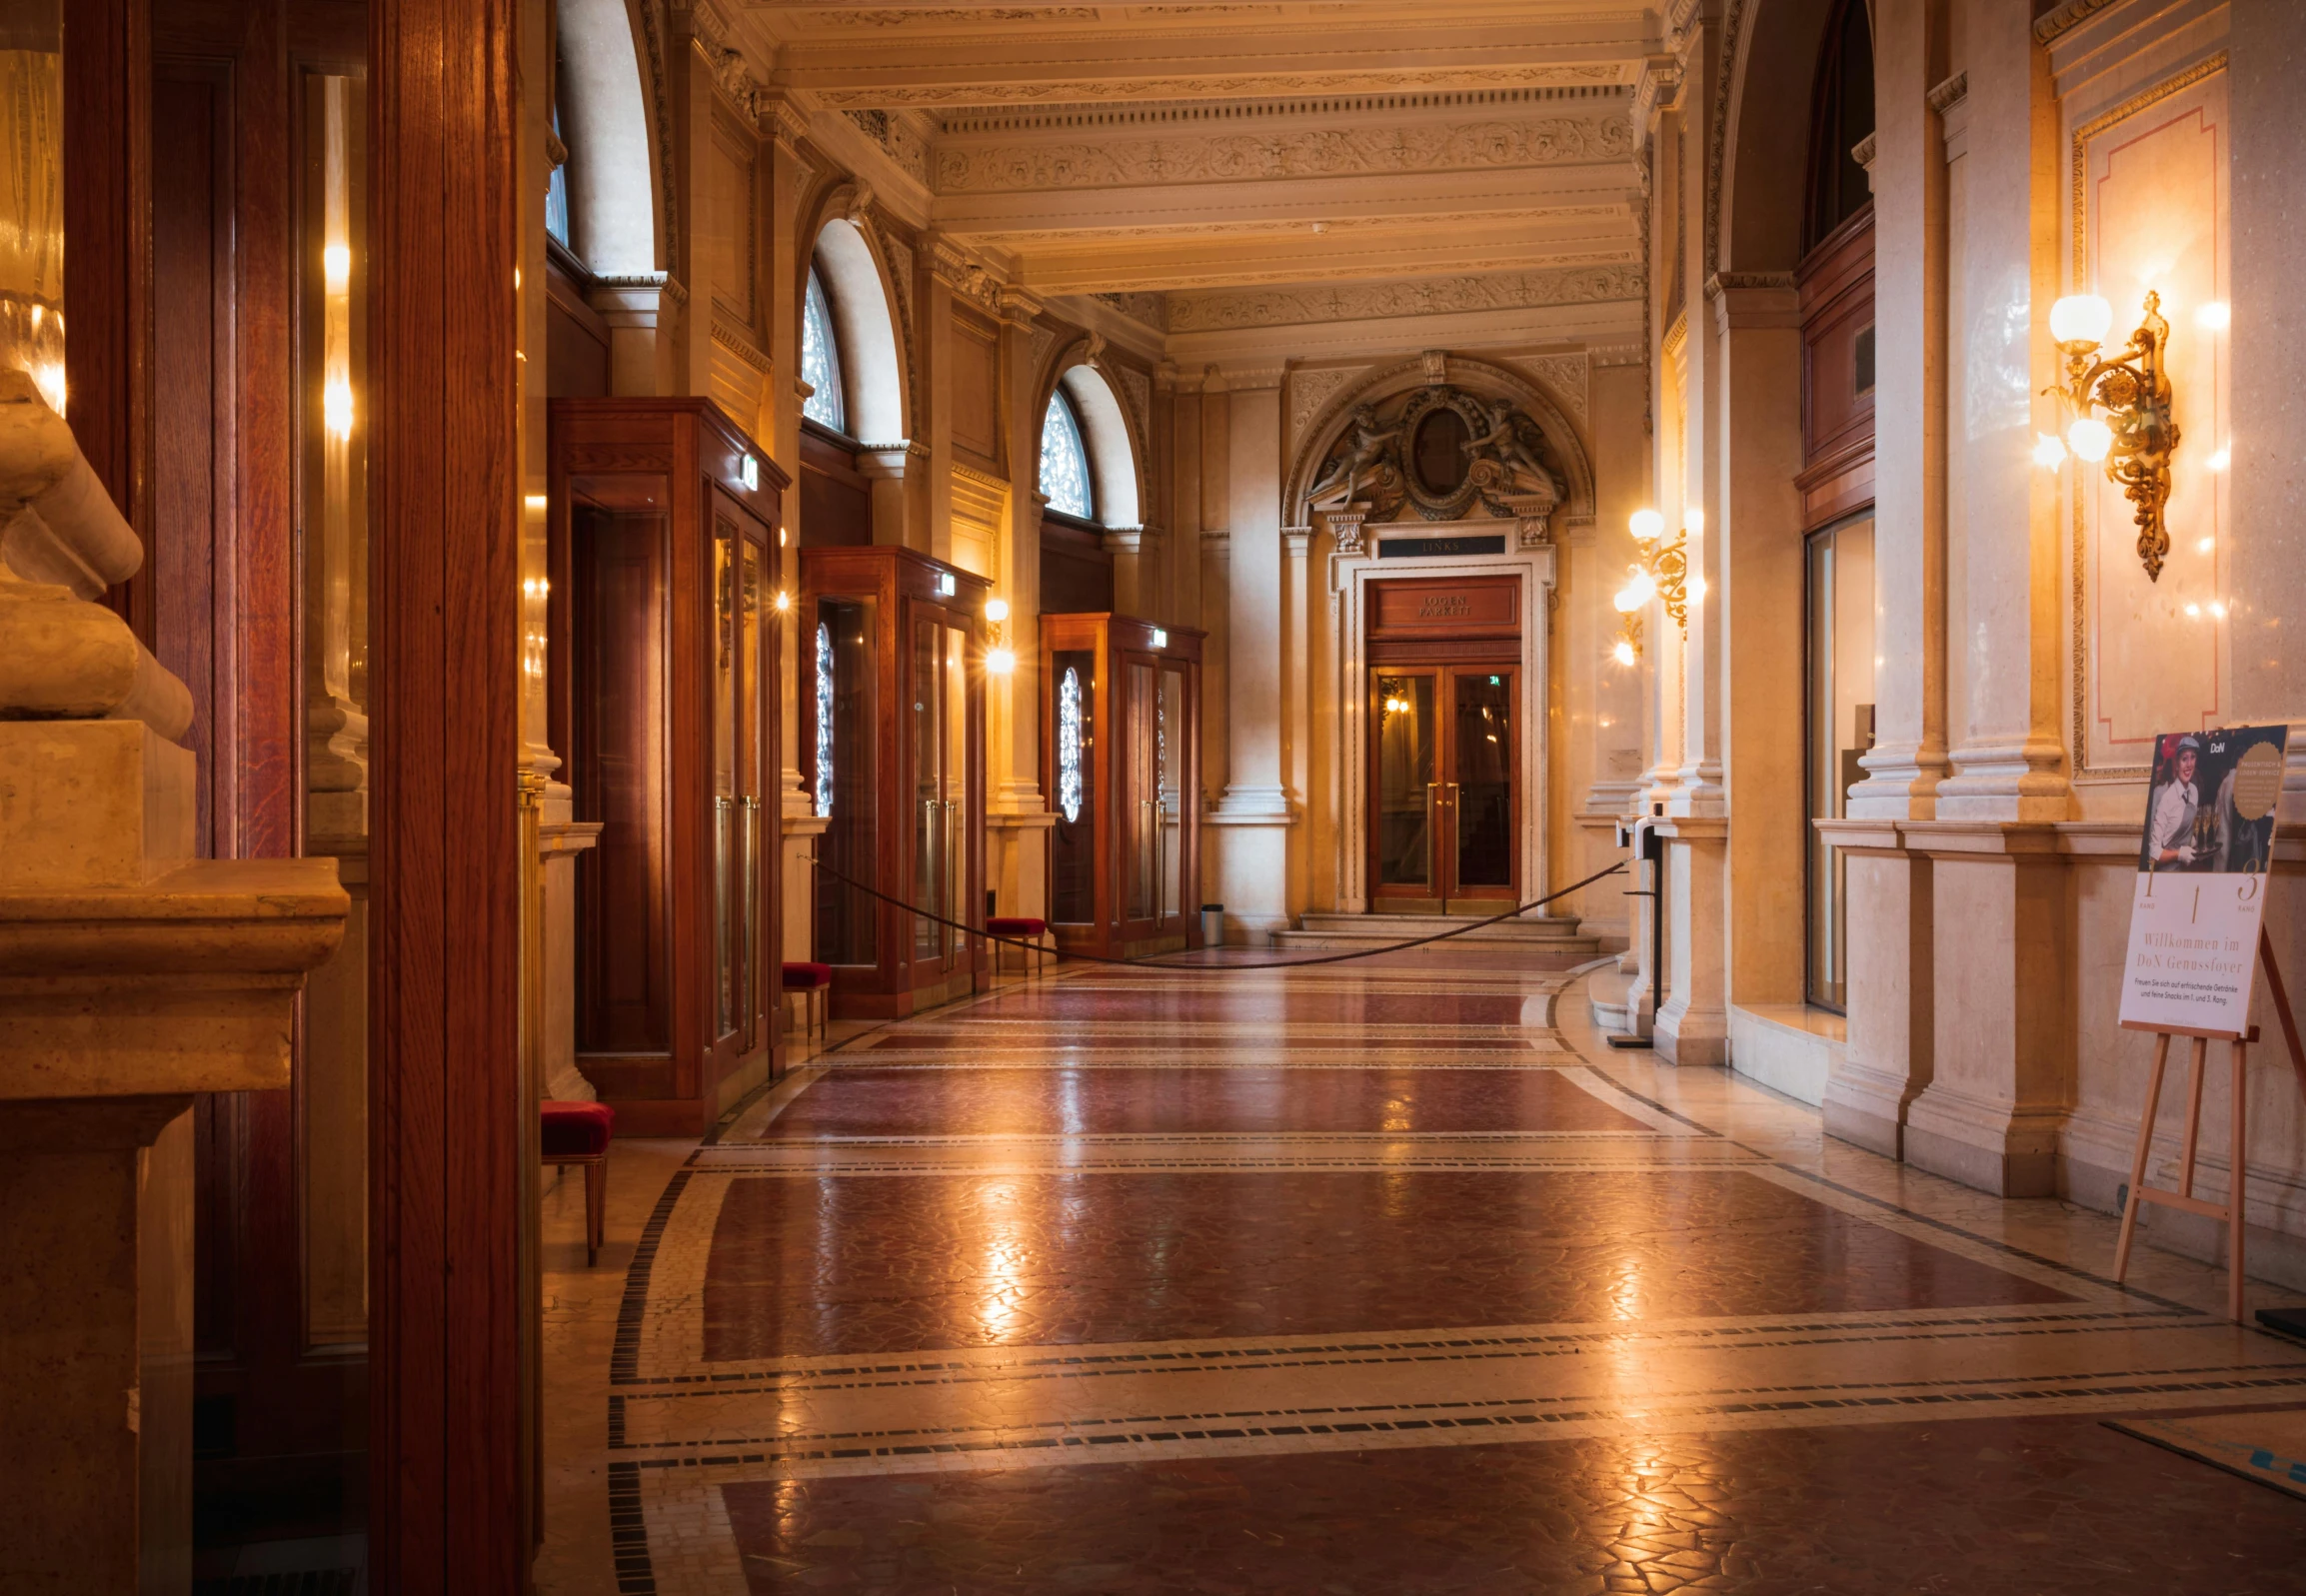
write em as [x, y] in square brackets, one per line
[821, 366]
[560, 215]
[1068, 475]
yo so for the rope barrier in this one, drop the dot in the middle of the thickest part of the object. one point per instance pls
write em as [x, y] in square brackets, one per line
[1160, 960]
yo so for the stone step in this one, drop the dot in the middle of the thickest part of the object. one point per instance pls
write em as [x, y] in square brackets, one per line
[1540, 933]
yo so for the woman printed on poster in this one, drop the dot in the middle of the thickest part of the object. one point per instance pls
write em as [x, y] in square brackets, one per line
[2233, 833]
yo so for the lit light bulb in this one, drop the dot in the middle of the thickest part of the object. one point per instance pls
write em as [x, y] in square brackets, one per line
[2049, 451]
[1623, 652]
[997, 611]
[2081, 319]
[1693, 524]
[2214, 315]
[336, 267]
[1000, 662]
[2221, 459]
[2089, 439]
[336, 407]
[2220, 611]
[784, 601]
[1639, 589]
[1696, 588]
[2194, 611]
[1647, 526]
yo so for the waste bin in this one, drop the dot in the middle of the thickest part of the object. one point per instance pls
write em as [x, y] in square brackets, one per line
[1213, 925]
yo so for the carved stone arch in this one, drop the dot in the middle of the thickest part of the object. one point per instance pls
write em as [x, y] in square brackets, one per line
[869, 316]
[1116, 451]
[613, 120]
[1757, 155]
[1482, 377]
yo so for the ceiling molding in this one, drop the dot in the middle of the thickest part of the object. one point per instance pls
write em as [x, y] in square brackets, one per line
[1365, 300]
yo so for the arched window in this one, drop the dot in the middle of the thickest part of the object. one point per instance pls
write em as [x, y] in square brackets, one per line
[820, 360]
[556, 186]
[1064, 462]
[1841, 116]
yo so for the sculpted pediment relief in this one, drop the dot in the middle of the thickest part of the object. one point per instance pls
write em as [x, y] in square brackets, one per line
[1435, 454]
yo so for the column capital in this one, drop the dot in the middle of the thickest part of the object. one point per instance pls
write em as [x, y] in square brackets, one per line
[889, 462]
[1018, 308]
[1754, 300]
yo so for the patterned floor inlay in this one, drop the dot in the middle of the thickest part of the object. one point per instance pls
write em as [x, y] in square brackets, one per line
[1374, 1280]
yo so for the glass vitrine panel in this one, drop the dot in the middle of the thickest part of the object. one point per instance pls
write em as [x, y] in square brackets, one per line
[1074, 849]
[752, 782]
[846, 778]
[1483, 773]
[1405, 786]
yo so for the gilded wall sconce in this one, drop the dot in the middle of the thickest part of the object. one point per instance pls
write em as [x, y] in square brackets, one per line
[2131, 388]
[1660, 571]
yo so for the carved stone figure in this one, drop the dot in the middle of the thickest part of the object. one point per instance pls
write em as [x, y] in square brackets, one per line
[1360, 465]
[1504, 445]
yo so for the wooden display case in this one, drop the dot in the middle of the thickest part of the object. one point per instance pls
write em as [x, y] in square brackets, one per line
[663, 552]
[892, 757]
[1120, 766]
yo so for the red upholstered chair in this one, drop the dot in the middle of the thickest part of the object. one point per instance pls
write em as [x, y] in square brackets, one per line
[1025, 928]
[578, 1132]
[815, 984]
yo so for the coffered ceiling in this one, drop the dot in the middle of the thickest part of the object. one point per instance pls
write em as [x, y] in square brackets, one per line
[1193, 148]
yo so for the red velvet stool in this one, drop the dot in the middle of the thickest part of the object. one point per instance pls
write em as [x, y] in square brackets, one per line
[1025, 928]
[578, 1132]
[815, 984]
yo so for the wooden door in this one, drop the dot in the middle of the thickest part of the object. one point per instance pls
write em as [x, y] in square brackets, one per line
[941, 813]
[1443, 790]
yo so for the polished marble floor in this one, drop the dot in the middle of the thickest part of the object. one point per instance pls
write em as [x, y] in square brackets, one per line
[1373, 1278]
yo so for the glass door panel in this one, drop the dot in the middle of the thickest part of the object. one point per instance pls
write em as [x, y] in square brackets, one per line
[922, 680]
[842, 747]
[751, 784]
[1840, 715]
[1406, 792]
[1478, 800]
[1168, 786]
[954, 699]
[724, 757]
[1140, 790]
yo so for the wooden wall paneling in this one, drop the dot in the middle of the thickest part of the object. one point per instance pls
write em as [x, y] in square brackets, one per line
[836, 501]
[108, 270]
[1075, 570]
[453, 1149]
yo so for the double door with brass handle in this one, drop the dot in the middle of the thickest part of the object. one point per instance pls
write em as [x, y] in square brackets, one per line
[1444, 794]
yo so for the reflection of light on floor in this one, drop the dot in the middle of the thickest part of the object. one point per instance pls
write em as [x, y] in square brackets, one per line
[1001, 1272]
[1642, 1470]
[1071, 1119]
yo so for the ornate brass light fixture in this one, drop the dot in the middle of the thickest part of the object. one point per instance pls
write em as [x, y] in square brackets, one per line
[1660, 571]
[2131, 387]
[1625, 647]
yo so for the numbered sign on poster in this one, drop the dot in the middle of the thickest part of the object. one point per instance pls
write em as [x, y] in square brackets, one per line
[2203, 867]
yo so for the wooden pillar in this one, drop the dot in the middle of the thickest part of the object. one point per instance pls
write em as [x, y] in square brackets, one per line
[452, 1129]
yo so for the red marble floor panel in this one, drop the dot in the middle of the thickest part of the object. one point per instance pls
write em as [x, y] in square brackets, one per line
[1985, 1507]
[979, 1038]
[905, 1263]
[1052, 1002]
[860, 1101]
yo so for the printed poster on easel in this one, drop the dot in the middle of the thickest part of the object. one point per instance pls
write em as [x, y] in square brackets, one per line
[2202, 872]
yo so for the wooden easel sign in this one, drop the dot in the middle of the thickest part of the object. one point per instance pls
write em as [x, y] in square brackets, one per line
[2197, 938]
[2201, 892]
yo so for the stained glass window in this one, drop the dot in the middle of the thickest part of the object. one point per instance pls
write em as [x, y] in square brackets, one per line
[1068, 743]
[824, 720]
[821, 360]
[1064, 462]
